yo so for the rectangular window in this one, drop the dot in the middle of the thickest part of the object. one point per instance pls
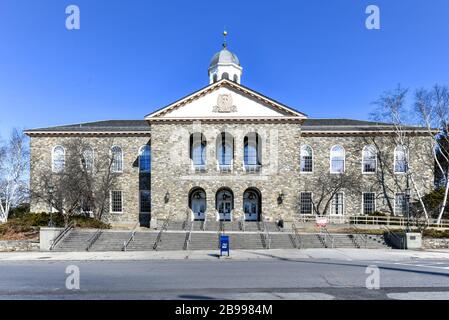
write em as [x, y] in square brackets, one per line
[116, 201]
[145, 201]
[400, 204]
[337, 204]
[337, 165]
[306, 164]
[369, 165]
[369, 203]
[305, 203]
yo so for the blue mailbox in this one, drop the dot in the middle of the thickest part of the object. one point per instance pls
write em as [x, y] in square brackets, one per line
[224, 245]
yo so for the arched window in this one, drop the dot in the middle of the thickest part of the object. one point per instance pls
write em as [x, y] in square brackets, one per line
[215, 77]
[117, 159]
[88, 159]
[198, 151]
[236, 78]
[58, 159]
[306, 161]
[252, 152]
[337, 159]
[369, 159]
[225, 151]
[225, 75]
[400, 159]
[145, 158]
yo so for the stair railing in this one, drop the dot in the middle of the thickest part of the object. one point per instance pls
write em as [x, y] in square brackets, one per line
[242, 223]
[94, 238]
[189, 237]
[266, 233]
[327, 237]
[189, 217]
[363, 237]
[61, 235]
[204, 222]
[296, 238]
[399, 240]
[131, 237]
[159, 235]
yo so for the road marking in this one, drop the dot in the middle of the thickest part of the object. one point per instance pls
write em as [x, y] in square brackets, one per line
[279, 296]
[435, 265]
[430, 295]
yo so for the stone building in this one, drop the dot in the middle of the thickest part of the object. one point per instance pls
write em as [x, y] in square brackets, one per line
[227, 152]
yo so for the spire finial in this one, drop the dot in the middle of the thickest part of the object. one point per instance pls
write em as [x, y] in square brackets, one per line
[225, 34]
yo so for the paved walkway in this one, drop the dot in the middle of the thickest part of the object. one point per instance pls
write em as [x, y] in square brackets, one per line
[239, 255]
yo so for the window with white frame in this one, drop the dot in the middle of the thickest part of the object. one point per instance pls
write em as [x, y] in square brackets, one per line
[88, 159]
[369, 159]
[305, 203]
[252, 152]
[337, 204]
[117, 159]
[58, 159]
[116, 201]
[198, 150]
[400, 204]
[400, 159]
[145, 201]
[306, 161]
[369, 203]
[337, 158]
[145, 158]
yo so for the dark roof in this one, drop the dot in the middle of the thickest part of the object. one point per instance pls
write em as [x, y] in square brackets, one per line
[315, 125]
[99, 126]
[318, 125]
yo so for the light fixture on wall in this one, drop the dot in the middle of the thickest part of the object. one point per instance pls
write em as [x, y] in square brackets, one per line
[280, 198]
[167, 197]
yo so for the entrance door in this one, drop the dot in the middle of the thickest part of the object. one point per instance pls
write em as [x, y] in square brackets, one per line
[225, 204]
[198, 204]
[251, 205]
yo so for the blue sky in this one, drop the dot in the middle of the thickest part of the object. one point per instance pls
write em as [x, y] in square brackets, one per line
[132, 57]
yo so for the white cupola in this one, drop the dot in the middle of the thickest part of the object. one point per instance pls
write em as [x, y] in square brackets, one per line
[225, 65]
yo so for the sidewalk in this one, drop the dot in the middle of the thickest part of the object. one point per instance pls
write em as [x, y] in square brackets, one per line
[240, 255]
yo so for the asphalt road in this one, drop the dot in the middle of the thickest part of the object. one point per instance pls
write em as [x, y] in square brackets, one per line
[273, 279]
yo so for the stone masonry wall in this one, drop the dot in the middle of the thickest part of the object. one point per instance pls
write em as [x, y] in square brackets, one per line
[129, 180]
[171, 170]
[172, 173]
[420, 162]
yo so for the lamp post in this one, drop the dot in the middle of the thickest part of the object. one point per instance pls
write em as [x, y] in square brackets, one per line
[51, 190]
[407, 207]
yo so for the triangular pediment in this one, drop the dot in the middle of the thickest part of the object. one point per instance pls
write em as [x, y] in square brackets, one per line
[225, 100]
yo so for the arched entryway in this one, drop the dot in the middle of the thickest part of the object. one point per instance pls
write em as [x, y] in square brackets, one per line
[252, 204]
[197, 203]
[224, 204]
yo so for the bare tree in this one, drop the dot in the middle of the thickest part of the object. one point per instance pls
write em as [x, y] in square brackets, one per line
[391, 107]
[328, 186]
[432, 109]
[83, 185]
[13, 168]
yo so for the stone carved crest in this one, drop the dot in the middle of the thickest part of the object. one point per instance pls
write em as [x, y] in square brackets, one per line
[224, 104]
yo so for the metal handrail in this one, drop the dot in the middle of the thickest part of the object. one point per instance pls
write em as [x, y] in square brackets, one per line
[131, 237]
[159, 235]
[205, 221]
[391, 221]
[357, 234]
[267, 234]
[326, 236]
[242, 221]
[94, 238]
[69, 227]
[189, 237]
[400, 239]
[297, 238]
